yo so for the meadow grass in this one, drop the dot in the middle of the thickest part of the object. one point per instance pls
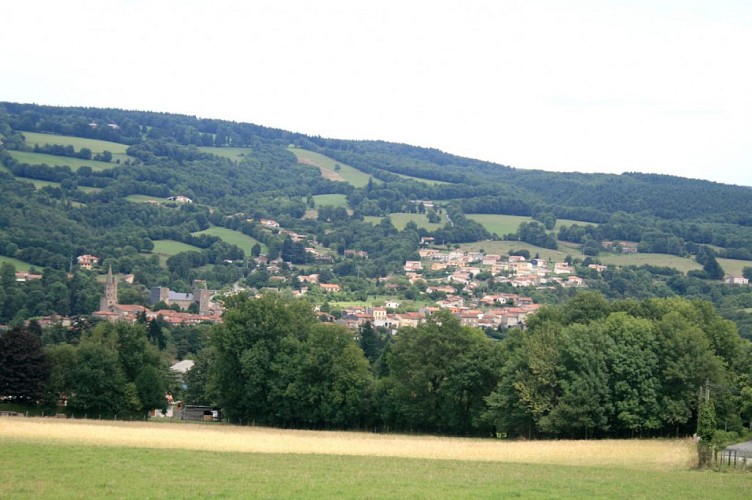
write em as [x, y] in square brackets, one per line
[85, 459]
[232, 237]
[172, 247]
[335, 200]
[400, 220]
[95, 145]
[234, 154]
[142, 198]
[38, 184]
[571, 222]
[682, 264]
[53, 160]
[500, 224]
[420, 179]
[734, 267]
[327, 166]
[18, 264]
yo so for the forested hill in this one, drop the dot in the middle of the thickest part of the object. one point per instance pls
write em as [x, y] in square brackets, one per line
[79, 171]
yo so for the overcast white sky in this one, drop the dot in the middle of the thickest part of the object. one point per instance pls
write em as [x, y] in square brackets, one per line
[579, 85]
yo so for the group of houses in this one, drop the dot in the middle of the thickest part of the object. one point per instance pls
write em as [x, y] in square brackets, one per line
[111, 310]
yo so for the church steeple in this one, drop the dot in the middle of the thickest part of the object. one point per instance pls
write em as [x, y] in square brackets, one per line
[110, 297]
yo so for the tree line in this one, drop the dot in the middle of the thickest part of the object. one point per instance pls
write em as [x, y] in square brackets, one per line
[587, 368]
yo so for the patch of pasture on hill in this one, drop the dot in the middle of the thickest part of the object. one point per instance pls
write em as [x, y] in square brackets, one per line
[421, 179]
[45, 458]
[571, 222]
[167, 248]
[734, 267]
[500, 224]
[234, 154]
[63, 161]
[142, 198]
[39, 184]
[400, 220]
[20, 265]
[682, 264]
[335, 200]
[232, 237]
[95, 145]
[332, 169]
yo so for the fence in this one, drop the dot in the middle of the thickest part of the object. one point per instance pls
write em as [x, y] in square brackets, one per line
[734, 458]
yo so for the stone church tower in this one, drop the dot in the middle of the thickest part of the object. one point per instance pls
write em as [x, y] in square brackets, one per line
[110, 297]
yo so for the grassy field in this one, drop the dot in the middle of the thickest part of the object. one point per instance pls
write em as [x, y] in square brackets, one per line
[335, 200]
[400, 220]
[500, 224]
[142, 198]
[734, 267]
[505, 224]
[95, 459]
[52, 160]
[40, 184]
[233, 238]
[167, 248]
[327, 166]
[95, 145]
[19, 264]
[234, 154]
[682, 264]
[420, 179]
[570, 222]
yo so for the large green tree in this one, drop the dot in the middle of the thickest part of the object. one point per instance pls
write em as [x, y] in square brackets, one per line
[23, 366]
[439, 374]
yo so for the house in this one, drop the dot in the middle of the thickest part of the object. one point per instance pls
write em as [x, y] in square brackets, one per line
[575, 281]
[598, 267]
[311, 278]
[562, 268]
[392, 304]
[330, 287]
[269, 223]
[180, 199]
[413, 265]
[736, 280]
[23, 276]
[87, 261]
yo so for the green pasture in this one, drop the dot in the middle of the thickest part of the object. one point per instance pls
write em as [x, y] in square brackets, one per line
[142, 198]
[734, 267]
[63, 161]
[38, 184]
[420, 179]
[48, 469]
[165, 249]
[95, 145]
[345, 173]
[570, 222]
[400, 220]
[682, 264]
[20, 265]
[242, 240]
[234, 154]
[335, 200]
[500, 224]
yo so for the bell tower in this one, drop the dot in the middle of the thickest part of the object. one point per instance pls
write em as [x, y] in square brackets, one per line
[110, 297]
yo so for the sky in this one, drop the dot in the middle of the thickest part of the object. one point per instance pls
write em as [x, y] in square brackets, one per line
[660, 86]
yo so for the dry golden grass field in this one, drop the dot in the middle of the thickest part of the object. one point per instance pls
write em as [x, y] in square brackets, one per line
[638, 454]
